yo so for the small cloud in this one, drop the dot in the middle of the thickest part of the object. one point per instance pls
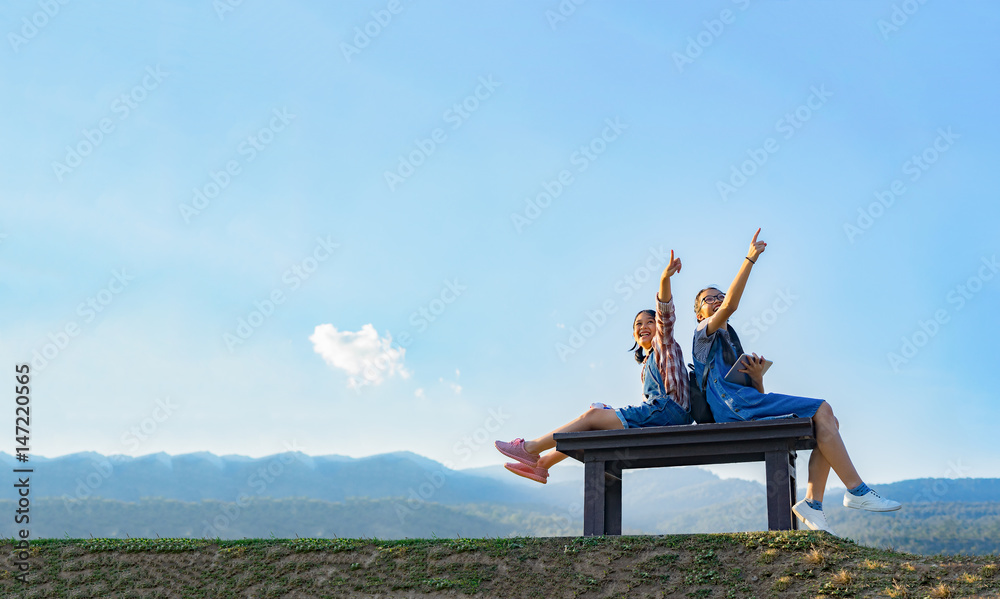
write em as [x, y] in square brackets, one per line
[454, 386]
[457, 373]
[366, 357]
[560, 325]
[420, 393]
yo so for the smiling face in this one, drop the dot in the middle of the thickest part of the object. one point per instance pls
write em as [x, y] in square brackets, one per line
[644, 328]
[708, 302]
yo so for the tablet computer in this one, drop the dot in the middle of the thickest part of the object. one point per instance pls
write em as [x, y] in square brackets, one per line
[736, 377]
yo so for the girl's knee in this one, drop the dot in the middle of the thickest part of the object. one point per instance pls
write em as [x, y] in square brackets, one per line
[823, 411]
[828, 415]
[600, 419]
[824, 417]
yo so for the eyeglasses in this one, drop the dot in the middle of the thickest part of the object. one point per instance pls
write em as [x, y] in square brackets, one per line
[713, 299]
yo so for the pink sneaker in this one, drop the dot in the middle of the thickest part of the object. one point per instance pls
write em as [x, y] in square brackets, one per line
[515, 449]
[536, 474]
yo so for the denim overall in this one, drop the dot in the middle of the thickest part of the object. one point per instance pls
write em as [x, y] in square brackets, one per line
[659, 409]
[732, 403]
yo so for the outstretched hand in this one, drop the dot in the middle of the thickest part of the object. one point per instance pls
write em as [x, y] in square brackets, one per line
[673, 266]
[756, 247]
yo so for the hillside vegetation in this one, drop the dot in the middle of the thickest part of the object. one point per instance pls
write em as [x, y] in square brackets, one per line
[788, 564]
[404, 495]
[926, 528]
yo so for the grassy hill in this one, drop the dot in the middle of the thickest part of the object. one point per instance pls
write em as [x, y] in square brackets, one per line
[404, 495]
[792, 564]
[925, 528]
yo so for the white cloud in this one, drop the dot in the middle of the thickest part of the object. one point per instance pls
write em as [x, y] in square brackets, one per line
[454, 385]
[420, 393]
[366, 357]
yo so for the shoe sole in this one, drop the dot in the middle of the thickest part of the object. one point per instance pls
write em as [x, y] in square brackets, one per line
[528, 475]
[807, 523]
[517, 457]
[870, 509]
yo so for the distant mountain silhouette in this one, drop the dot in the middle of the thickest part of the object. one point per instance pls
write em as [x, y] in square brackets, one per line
[649, 494]
[654, 500]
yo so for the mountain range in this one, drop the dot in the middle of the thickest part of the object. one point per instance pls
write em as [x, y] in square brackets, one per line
[404, 494]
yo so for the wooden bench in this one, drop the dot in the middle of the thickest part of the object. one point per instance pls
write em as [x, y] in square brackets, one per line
[606, 453]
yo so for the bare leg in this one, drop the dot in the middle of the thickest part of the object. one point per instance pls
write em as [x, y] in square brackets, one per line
[829, 453]
[819, 471]
[551, 459]
[591, 420]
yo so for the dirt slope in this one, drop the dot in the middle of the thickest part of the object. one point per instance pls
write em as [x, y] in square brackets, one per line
[796, 564]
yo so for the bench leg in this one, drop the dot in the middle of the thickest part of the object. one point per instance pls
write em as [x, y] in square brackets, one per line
[602, 499]
[612, 499]
[593, 499]
[793, 486]
[780, 490]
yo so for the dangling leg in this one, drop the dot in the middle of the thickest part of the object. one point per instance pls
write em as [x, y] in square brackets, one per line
[832, 454]
[810, 509]
[819, 471]
[591, 420]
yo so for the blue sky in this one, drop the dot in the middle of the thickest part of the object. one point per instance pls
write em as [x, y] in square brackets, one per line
[234, 211]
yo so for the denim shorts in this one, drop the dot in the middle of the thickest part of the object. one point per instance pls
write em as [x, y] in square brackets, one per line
[660, 411]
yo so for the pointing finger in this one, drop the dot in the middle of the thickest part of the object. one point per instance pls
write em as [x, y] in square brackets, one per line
[755, 236]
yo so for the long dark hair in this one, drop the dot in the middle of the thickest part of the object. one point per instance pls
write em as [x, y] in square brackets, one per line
[640, 354]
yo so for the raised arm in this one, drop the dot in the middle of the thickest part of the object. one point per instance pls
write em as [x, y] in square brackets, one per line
[673, 266]
[732, 301]
[665, 316]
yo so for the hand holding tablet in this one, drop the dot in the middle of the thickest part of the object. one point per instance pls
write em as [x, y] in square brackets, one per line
[736, 374]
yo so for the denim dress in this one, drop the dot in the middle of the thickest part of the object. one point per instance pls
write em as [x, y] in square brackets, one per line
[732, 403]
[659, 409]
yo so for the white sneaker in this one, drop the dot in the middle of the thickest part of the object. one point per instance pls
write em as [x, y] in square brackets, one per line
[813, 519]
[871, 501]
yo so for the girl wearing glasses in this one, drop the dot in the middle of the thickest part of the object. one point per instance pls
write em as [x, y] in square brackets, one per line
[731, 402]
[664, 381]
